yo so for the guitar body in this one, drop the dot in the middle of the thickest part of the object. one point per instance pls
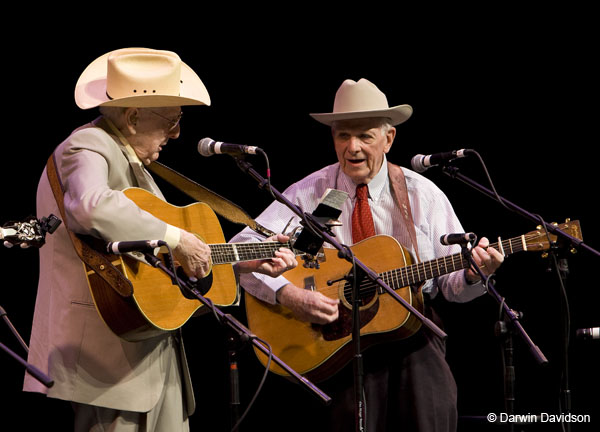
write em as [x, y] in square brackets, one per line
[318, 351]
[157, 305]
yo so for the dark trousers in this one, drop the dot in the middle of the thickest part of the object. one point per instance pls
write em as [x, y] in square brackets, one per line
[408, 386]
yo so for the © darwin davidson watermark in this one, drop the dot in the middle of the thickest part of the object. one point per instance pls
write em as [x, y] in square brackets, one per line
[538, 418]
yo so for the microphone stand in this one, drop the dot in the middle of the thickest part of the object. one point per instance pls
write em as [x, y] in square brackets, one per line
[563, 238]
[359, 269]
[238, 334]
[33, 232]
[454, 173]
[504, 330]
[510, 315]
[504, 333]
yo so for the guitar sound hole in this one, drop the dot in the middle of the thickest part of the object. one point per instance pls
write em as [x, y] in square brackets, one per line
[202, 285]
[342, 327]
[366, 292]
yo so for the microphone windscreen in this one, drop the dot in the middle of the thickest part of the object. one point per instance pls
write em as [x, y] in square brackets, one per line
[204, 147]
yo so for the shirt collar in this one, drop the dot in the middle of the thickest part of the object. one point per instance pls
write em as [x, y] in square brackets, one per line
[376, 184]
[132, 154]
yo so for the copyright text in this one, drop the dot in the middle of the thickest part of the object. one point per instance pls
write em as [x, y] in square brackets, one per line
[538, 418]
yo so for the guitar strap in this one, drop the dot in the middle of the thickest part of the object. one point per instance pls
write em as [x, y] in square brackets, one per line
[398, 181]
[220, 205]
[95, 260]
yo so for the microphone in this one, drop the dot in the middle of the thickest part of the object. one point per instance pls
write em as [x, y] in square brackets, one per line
[588, 333]
[461, 239]
[208, 147]
[421, 163]
[121, 247]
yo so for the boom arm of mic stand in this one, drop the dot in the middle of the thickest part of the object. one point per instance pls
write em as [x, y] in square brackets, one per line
[454, 173]
[33, 371]
[247, 168]
[239, 328]
[514, 319]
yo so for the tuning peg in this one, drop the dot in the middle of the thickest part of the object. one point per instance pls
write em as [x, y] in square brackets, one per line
[567, 220]
[573, 251]
[544, 255]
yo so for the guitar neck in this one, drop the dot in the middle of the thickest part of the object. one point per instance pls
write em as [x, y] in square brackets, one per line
[228, 253]
[417, 273]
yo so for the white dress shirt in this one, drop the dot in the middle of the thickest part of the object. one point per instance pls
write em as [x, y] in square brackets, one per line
[433, 216]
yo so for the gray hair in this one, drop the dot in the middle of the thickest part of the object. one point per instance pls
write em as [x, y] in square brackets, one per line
[385, 124]
[112, 113]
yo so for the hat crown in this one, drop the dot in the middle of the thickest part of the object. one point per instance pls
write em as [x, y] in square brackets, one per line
[362, 99]
[139, 77]
[355, 96]
[137, 72]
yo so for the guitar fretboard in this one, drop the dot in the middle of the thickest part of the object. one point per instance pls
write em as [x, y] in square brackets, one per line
[420, 272]
[227, 253]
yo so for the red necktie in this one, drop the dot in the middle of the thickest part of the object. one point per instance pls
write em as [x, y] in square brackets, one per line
[362, 219]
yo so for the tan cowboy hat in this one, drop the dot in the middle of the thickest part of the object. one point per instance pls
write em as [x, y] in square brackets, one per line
[139, 77]
[362, 99]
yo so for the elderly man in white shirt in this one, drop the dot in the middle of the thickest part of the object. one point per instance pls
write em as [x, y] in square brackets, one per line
[408, 384]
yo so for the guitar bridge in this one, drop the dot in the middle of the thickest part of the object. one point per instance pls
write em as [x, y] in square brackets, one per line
[309, 283]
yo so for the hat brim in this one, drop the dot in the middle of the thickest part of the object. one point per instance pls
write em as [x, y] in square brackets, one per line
[397, 115]
[90, 90]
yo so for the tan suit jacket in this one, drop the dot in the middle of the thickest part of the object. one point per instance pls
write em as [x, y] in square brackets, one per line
[69, 341]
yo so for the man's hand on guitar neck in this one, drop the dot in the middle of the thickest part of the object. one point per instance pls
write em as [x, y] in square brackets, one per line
[487, 259]
[283, 261]
[193, 255]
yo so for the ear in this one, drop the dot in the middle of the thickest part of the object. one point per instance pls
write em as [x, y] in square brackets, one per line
[390, 135]
[132, 117]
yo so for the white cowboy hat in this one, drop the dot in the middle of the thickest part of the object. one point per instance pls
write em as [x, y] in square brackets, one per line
[139, 77]
[362, 99]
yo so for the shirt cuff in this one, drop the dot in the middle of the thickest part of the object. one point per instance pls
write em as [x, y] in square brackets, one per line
[172, 236]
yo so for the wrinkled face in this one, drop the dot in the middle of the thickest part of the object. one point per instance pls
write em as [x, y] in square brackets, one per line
[360, 145]
[151, 130]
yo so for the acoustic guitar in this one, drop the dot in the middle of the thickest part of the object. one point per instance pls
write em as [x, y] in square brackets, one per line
[319, 351]
[157, 304]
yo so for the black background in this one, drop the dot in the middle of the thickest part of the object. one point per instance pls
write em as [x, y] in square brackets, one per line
[520, 88]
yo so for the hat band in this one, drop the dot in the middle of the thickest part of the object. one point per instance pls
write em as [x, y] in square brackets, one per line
[145, 91]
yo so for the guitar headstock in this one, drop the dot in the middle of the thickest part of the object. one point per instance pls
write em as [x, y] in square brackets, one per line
[31, 232]
[539, 240]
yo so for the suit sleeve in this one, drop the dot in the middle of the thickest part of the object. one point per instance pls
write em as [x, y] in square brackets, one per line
[94, 172]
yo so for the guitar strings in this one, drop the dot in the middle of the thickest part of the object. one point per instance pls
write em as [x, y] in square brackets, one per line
[397, 278]
[232, 252]
[403, 277]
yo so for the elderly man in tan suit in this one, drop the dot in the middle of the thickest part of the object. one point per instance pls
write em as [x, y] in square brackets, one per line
[114, 384]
